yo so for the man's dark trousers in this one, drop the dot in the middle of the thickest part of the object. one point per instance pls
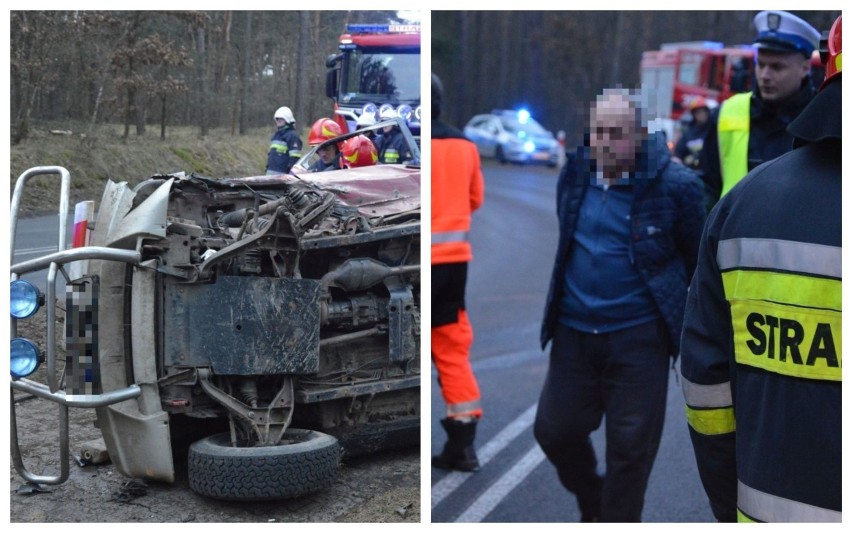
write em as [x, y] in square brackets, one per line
[623, 375]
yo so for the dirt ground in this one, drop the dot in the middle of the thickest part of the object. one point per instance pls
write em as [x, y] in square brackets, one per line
[383, 487]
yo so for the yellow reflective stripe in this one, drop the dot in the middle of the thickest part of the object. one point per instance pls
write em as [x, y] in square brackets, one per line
[756, 505]
[391, 155]
[838, 62]
[781, 287]
[696, 395]
[792, 341]
[778, 254]
[279, 146]
[711, 421]
[743, 519]
[733, 131]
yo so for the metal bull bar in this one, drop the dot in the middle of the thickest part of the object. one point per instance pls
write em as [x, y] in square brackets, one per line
[54, 263]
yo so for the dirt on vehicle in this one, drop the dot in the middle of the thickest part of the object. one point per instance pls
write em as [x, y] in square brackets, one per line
[382, 487]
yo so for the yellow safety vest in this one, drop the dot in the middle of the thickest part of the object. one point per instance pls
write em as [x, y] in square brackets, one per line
[734, 120]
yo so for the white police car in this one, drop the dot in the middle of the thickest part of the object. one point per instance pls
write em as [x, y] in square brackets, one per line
[512, 136]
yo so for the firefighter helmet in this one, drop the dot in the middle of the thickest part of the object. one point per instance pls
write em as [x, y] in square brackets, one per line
[286, 114]
[358, 152]
[833, 52]
[697, 103]
[387, 111]
[366, 120]
[323, 130]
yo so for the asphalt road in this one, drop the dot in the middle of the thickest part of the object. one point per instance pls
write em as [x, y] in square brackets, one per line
[514, 238]
[38, 236]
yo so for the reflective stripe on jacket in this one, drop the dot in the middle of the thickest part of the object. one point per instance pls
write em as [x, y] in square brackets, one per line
[734, 119]
[457, 191]
[761, 351]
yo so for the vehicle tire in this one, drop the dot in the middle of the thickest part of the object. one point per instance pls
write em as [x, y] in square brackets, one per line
[501, 157]
[307, 463]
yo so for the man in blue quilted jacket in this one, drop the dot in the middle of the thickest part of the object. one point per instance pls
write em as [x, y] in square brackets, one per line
[630, 222]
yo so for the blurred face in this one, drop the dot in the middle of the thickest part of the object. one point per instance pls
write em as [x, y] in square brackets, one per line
[387, 129]
[279, 122]
[779, 75]
[615, 135]
[327, 153]
[700, 115]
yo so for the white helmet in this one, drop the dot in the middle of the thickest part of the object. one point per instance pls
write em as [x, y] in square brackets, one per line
[386, 112]
[286, 114]
[365, 120]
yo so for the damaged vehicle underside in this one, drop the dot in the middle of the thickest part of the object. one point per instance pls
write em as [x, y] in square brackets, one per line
[286, 306]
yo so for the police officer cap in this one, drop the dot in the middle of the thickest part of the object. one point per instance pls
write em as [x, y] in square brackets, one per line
[784, 32]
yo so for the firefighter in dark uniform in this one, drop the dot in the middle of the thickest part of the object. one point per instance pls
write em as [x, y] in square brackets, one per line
[286, 146]
[752, 127]
[324, 130]
[761, 344]
[390, 143]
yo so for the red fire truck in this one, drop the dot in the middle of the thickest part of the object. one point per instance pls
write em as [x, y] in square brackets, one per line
[679, 72]
[377, 69]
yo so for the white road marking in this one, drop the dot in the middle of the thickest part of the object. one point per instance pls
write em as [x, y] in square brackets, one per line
[492, 497]
[454, 479]
[33, 251]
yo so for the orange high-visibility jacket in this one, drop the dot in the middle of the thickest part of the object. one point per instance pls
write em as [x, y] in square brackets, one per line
[457, 191]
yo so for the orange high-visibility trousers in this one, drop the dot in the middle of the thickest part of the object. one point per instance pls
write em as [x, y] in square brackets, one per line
[451, 355]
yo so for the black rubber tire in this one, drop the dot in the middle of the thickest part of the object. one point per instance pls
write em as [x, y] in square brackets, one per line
[501, 157]
[307, 463]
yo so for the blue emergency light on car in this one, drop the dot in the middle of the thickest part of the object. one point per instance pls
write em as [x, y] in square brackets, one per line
[529, 147]
[24, 358]
[523, 116]
[25, 299]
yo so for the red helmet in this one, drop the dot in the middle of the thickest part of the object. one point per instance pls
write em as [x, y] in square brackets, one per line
[358, 152]
[323, 130]
[833, 58]
[696, 103]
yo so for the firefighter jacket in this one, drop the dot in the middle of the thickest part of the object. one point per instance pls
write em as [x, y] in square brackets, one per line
[761, 345]
[391, 147]
[666, 216]
[748, 132]
[284, 150]
[457, 191]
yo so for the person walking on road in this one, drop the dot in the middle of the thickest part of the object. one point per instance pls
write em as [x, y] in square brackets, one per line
[761, 346]
[630, 220]
[286, 146]
[751, 127]
[457, 191]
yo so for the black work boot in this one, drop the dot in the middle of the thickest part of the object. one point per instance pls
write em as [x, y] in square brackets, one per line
[458, 452]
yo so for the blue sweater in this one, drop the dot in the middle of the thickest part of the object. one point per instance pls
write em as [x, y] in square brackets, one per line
[603, 290]
[667, 215]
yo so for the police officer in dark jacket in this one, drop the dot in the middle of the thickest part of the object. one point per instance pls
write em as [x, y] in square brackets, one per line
[752, 127]
[761, 346]
[629, 220]
[285, 148]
